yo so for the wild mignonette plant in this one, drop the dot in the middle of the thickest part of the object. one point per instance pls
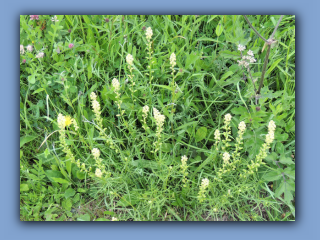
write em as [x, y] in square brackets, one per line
[152, 125]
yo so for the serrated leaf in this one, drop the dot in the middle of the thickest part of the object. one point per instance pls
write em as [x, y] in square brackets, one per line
[239, 110]
[272, 176]
[201, 134]
[287, 189]
[290, 173]
[286, 160]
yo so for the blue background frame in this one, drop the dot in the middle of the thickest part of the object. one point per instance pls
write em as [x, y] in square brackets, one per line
[307, 130]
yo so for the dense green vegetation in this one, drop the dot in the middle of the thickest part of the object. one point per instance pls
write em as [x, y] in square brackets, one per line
[210, 145]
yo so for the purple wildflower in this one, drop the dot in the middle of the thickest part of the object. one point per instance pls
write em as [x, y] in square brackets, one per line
[32, 17]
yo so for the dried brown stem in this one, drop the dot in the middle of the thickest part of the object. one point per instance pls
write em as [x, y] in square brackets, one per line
[268, 42]
[264, 69]
[245, 17]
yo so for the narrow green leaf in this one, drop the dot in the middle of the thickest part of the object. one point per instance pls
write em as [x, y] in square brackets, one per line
[26, 139]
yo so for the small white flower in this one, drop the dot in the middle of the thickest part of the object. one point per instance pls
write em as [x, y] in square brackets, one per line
[93, 96]
[98, 173]
[61, 121]
[269, 137]
[271, 126]
[228, 117]
[241, 47]
[205, 183]
[96, 106]
[158, 117]
[173, 59]
[252, 60]
[226, 157]
[29, 48]
[217, 134]
[75, 124]
[54, 19]
[184, 159]
[242, 126]
[116, 84]
[145, 109]
[250, 53]
[21, 49]
[40, 55]
[96, 153]
[129, 59]
[149, 33]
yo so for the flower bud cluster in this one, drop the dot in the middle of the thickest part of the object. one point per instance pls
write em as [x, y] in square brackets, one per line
[204, 185]
[184, 171]
[100, 168]
[21, 49]
[246, 59]
[129, 60]
[62, 123]
[159, 118]
[227, 132]
[226, 158]
[236, 154]
[116, 84]
[241, 47]
[217, 138]
[29, 48]
[40, 55]
[96, 109]
[173, 60]
[149, 34]
[116, 87]
[145, 111]
[263, 152]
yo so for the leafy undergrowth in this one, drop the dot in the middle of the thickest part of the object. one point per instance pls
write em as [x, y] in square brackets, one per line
[156, 118]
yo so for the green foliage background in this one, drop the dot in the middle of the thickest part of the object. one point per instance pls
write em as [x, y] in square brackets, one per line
[211, 84]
